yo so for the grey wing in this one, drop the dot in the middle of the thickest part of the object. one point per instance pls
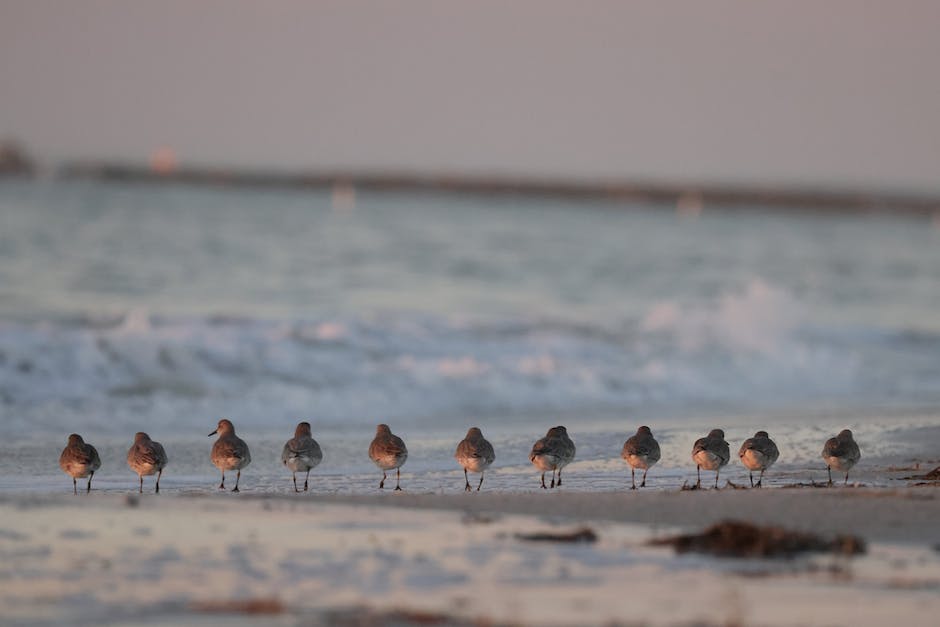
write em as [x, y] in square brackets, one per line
[397, 445]
[286, 454]
[487, 452]
[93, 460]
[654, 453]
[160, 454]
[315, 451]
[723, 451]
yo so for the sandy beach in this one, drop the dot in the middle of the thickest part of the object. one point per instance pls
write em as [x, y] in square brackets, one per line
[458, 559]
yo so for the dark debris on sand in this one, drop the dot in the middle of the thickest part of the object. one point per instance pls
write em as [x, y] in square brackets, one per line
[733, 538]
[366, 617]
[582, 535]
[933, 475]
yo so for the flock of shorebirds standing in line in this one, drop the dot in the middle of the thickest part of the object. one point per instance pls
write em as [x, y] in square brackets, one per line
[474, 454]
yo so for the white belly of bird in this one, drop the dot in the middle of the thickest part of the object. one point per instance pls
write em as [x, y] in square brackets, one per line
[389, 462]
[145, 469]
[840, 463]
[78, 470]
[473, 464]
[301, 463]
[549, 462]
[639, 461]
[230, 463]
[707, 460]
[755, 460]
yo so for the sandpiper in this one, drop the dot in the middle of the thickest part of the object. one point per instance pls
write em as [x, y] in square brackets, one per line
[710, 453]
[388, 451]
[553, 452]
[640, 451]
[474, 454]
[841, 453]
[301, 453]
[758, 453]
[229, 452]
[79, 459]
[146, 457]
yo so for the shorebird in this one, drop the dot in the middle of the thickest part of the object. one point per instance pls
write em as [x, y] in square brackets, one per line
[79, 459]
[388, 451]
[474, 454]
[146, 457]
[553, 452]
[710, 453]
[640, 451]
[758, 453]
[301, 453]
[229, 452]
[841, 453]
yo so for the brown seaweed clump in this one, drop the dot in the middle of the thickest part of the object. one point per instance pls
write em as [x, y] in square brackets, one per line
[583, 535]
[733, 538]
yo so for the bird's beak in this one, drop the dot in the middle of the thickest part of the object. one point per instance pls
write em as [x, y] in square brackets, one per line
[213, 433]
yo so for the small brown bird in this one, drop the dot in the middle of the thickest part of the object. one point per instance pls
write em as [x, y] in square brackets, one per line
[841, 453]
[146, 457]
[474, 454]
[710, 453]
[301, 453]
[79, 459]
[388, 451]
[553, 452]
[758, 453]
[229, 452]
[640, 451]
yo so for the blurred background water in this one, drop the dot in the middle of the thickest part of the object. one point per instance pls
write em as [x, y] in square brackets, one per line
[163, 308]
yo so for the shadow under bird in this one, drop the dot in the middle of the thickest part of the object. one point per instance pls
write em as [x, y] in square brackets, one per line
[758, 453]
[841, 453]
[301, 453]
[388, 451]
[229, 452]
[710, 453]
[474, 454]
[641, 451]
[146, 457]
[79, 460]
[553, 452]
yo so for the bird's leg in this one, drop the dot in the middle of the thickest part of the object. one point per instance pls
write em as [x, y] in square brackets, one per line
[141, 477]
[633, 478]
[294, 474]
[554, 472]
[88, 489]
[559, 477]
[480, 485]
[846, 479]
[760, 479]
[717, 472]
[159, 474]
[398, 479]
[466, 478]
[751, 477]
[382, 482]
[75, 485]
[643, 483]
[307, 480]
[237, 479]
[829, 470]
[544, 487]
[698, 472]
[222, 485]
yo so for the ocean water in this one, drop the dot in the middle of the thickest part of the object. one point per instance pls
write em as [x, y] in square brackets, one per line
[163, 308]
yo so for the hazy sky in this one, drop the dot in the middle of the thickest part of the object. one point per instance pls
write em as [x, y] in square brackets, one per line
[835, 93]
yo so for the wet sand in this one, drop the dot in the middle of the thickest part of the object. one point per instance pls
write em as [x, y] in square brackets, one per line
[408, 559]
